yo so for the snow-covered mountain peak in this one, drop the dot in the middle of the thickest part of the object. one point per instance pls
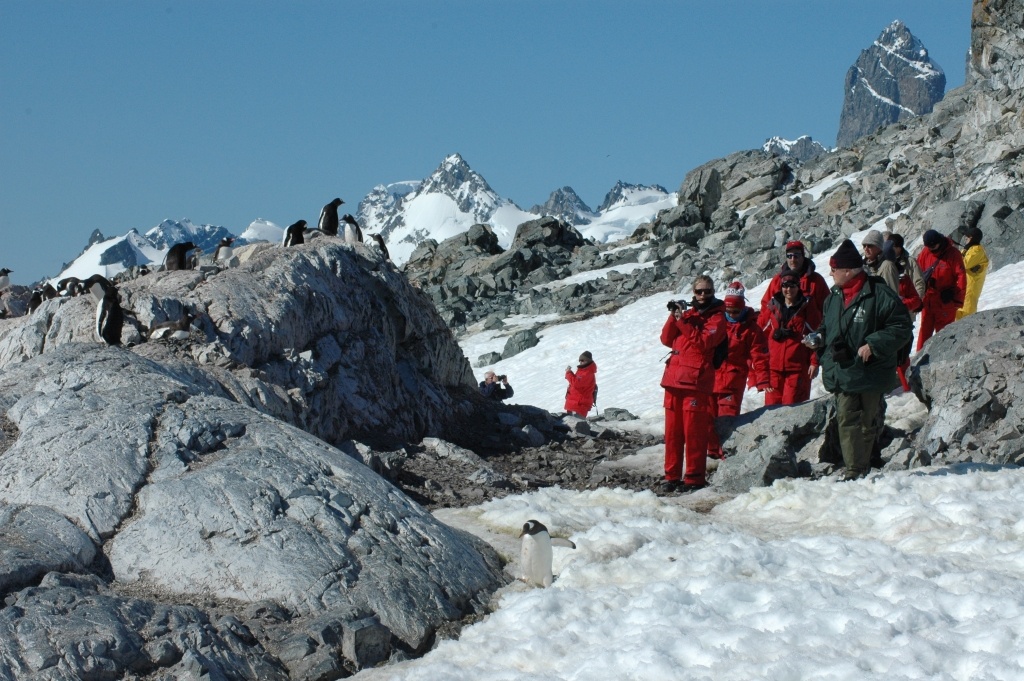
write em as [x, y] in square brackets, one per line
[635, 194]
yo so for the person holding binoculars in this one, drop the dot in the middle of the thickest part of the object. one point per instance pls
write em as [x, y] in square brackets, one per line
[865, 325]
[496, 387]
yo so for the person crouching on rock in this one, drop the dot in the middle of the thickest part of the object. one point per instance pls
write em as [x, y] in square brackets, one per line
[495, 387]
[689, 378]
[582, 392]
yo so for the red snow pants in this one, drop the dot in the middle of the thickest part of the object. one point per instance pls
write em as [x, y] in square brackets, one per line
[687, 425]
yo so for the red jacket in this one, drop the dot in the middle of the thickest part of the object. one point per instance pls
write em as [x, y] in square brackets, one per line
[785, 328]
[747, 348]
[579, 398]
[812, 284]
[693, 339]
[943, 272]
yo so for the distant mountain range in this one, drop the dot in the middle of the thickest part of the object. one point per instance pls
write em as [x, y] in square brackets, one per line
[449, 201]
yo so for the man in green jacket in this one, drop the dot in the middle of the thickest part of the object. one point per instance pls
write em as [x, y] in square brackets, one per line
[864, 325]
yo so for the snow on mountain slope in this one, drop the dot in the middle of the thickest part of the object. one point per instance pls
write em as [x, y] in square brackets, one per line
[112, 256]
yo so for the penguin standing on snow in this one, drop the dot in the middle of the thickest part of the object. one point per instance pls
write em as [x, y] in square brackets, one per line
[224, 252]
[109, 317]
[329, 218]
[5, 280]
[175, 259]
[353, 235]
[535, 553]
[295, 234]
[380, 244]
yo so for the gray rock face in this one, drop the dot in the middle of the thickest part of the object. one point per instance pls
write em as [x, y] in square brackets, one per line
[171, 470]
[892, 80]
[979, 416]
[325, 336]
[567, 206]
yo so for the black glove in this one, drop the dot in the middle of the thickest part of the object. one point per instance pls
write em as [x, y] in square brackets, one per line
[946, 295]
[780, 335]
[672, 306]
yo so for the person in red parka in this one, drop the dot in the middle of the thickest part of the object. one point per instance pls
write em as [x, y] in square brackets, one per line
[581, 395]
[786, 319]
[747, 350]
[689, 379]
[812, 284]
[942, 267]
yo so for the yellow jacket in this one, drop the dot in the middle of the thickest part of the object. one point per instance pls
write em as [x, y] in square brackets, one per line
[976, 264]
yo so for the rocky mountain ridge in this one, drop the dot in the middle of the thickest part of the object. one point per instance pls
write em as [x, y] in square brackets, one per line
[892, 80]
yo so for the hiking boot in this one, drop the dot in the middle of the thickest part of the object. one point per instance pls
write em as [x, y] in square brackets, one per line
[687, 488]
[666, 487]
[850, 474]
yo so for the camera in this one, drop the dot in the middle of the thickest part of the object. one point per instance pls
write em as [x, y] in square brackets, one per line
[503, 378]
[841, 352]
[812, 339]
[779, 335]
[674, 305]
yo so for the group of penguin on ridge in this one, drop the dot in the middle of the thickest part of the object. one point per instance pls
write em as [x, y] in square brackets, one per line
[180, 256]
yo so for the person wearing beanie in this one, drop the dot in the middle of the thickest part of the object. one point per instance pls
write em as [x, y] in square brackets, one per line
[582, 391]
[812, 284]
[945, 278]
[743, 361]
[875, 264]
[864, 327]
[693, 334]
[912, 286]
[976, 266]
[785, 320]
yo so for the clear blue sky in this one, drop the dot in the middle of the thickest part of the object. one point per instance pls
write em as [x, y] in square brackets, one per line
[120, 114]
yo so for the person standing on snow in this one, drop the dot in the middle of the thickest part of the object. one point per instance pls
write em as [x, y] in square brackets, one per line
[942, 267]
[785, 320]
[865, 325]
[746, 357]
[693, 331]
[976, 266]
[582, 392]
[812, 284]
[875, 264]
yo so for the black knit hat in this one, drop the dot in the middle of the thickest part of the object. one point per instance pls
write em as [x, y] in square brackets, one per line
[932, 238]
[846, 257]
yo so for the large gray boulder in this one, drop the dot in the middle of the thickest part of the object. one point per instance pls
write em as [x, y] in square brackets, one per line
[203, 473]
[979, 416]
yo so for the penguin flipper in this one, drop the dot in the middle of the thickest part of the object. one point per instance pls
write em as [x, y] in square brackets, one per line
[564, 543]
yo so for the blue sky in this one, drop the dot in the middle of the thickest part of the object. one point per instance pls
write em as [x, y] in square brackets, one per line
[119, 114]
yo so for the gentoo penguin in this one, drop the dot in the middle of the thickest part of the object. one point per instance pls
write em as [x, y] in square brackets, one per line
[224, 252]
[175, 259]
[380, 244]
[69, 287]
[353, 235]
[5, 280]
[535, 553]
[96, 285]
[294, 235]
[172, 330]
[109, 317]
[193, 259]
[46, 292]
[329, 218]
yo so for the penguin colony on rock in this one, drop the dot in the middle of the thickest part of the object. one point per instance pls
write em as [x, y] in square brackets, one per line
[182, 256]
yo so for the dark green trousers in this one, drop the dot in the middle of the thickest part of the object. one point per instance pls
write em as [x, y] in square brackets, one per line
[855, 413]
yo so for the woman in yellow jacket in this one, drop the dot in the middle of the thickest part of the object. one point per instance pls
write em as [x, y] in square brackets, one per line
[976, 264]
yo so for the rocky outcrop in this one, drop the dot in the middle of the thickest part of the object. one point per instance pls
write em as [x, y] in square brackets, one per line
[977, 417]
[325, 336]
[892, 80]
[802, 149]
[191, 496]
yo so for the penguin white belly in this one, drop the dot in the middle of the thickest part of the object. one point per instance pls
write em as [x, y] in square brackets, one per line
[351, 236]
[5, 281]
[535, 559]
[225, 254]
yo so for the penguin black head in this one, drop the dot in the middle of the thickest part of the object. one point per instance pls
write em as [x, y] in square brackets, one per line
[301, 224]
[227, 241]
[533, 527]
[4, 272]
[337, 202]
[349, 219]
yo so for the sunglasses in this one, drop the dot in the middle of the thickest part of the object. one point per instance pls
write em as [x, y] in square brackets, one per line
[703, 291]
[797, 254]
[790, 284]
